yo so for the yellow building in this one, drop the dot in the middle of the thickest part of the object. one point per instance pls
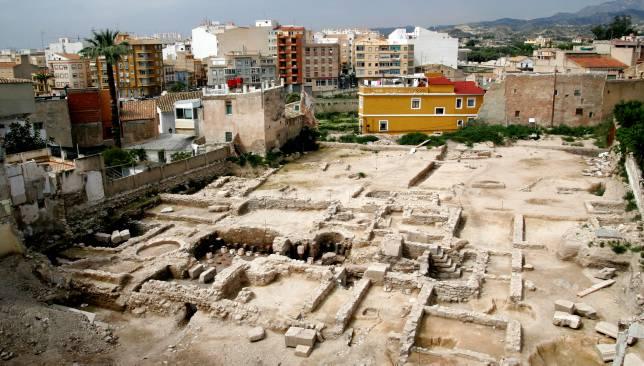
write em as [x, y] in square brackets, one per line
[427, 105]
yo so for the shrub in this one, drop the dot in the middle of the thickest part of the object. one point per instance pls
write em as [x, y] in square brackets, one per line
[22, 137]
[618, 248]
[292, 98]
[629, 113]
[414, 138]
[180, 155]
[598, 189]
[358, 139]
[115, 156]
[138, 154]
[307, 140]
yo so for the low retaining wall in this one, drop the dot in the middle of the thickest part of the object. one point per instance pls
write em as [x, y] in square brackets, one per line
[345, 313]
[635, 179]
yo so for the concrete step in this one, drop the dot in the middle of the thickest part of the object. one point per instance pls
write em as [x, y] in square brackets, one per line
[446, 264]
[449, 275]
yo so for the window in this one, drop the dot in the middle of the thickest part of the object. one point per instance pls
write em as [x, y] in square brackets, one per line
[229, 108]
[591, 114]
[579, 112]
[439, 110]
[517, 113]
[383, 125]
[556, 92]
[415, 103]
[229, 136]
[184, 113]
[577, 92]
[460, 123]
[471, 102]
[459, 103]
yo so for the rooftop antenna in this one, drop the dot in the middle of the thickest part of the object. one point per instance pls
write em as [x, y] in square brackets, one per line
[42, 39]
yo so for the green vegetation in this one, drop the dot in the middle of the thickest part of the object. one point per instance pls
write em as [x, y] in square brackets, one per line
[598, 189]
[622, 25]
[618, 248]
[338, 122]
[630, 135]
[358, 139]
[115, 156]
[292, 98]
[474, 132]
[22, 137]
[139, 154]
[180, 155]
[178, 87]
[570, 134]
[362, 175]
[566, 46]
[484, 54]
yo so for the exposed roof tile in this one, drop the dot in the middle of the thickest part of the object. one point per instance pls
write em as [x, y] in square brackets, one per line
[166, 102]
[138, 110]
[467, 88]
[15, 81]
[597, 62]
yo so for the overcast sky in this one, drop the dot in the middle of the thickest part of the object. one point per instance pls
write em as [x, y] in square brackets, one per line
[22, 21]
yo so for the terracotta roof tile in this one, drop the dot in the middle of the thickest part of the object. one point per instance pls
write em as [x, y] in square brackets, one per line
[441, 80]
[15, 81]
[467, 88]
[138, 110]
[166, 102]
[597, 62]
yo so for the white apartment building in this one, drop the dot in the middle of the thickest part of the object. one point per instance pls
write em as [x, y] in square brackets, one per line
[204, 39]
[430, 48]
[63, 46]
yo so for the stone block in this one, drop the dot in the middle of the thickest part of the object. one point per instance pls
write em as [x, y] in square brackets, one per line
[328, 258]
[606, 351]
[517, 260]
[167, 210]
[208, 275]
[125, 235]
[606, 273]
[562, 319]
[103, 238]
[303, 351]
[392, 245]
[376, 273]
[296, 336]
[565, 306]
[256, 334]
[607, 329]
[604, 233]
[585, 310]
[516, 287]
[195, 271]
[116, 237]
[632, 359]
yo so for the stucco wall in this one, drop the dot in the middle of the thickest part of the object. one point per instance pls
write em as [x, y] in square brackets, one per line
[336, 105]
[55, 117]
[88, 134]
[139, 130]
[16, 99]
[493, 108]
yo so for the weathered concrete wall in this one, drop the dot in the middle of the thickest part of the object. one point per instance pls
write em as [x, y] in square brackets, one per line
[619, 90]
[16, 99]
[10, 240]
[54, 115]
[493, 108]
[88, 134]
[634, 179]
[140, 130]
[336, 105]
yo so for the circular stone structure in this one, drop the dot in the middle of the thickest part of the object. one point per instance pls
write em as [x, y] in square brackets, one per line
[158, 248]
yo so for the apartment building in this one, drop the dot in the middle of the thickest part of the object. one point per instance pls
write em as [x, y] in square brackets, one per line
[345, 38]
[321, 66]
[186, 69]
[566, 62]
[420, 104]
[377, 58]
[63, 46]
[252, 67]
[430, 48]
[290, 47]
[70, 70]
[140, 74]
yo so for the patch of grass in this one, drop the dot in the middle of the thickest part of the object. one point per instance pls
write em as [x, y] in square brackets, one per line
[618, 248]
[358, 139]
[568, 139]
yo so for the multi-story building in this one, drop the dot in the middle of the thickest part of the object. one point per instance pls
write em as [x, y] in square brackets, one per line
[430, 48]
[70, 70]
[566, 62]
[321, 66]
[204, 39]
[434, 104]
[187, 70]
[290, 45]
[140, 74]
[168, 76]
[345, 38]
[216, 70]
[252, 67]
[540, 42]
[63, 46]
[377, 58]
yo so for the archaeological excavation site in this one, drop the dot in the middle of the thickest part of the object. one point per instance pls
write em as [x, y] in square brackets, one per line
[351, 255]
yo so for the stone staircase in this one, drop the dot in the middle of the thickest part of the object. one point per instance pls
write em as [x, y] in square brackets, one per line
[441, 266]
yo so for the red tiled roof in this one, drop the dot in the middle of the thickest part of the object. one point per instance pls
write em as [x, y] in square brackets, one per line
[441, 80]
[467, 88]
[597, 62]
[138, 110]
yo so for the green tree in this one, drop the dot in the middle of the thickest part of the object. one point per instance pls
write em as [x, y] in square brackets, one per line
[178, 87]
[622, 25]
[180, 155]
[22, 137]
[292, 98]
[103, 44]
[115, 156]
[42, 77]
[629, 113]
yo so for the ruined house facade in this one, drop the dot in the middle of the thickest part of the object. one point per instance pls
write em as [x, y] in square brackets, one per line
[555, 99]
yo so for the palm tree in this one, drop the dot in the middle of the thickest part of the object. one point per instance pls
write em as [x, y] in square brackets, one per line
[103, 43]
[42, 77]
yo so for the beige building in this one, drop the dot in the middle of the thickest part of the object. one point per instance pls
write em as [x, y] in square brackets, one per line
[255, 121]
[377, 58]
[551, 61]
[321, 66]
[70, 70]
[140, 74]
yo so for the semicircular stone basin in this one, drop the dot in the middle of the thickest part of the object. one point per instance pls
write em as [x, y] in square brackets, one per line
[158, 248]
